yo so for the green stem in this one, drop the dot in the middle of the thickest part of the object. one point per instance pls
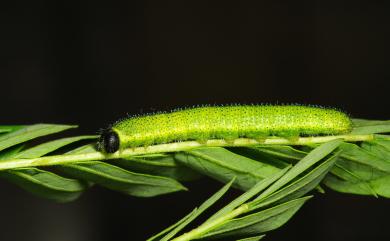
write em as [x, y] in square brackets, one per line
[199, 231]
[173, 147]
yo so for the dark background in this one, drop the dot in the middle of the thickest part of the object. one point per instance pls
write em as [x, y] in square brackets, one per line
[90, 63]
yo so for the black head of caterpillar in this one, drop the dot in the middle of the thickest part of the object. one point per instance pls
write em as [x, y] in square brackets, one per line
[109, 141]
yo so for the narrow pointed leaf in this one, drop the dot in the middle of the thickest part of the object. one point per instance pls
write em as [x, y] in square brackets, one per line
[255, 238]
[115, 178]
[208, 203]
[10, 152]
[379, 148]
[83, 149]
[254, 153]
[223, 165]
[40, 182]
[48, 147]
[356, 154]
[362, 126]
[160, 165]
[45, 184]
[340, 176]
[260, 186]
[297, 188]
[362, 170]
[308, 161]
[29, 133]
[10, 128]
[283, 152]
[260, 222]
[345, 186]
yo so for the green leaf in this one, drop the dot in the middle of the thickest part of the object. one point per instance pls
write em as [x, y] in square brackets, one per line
[40, 182]
[10, 128]
[357, 122]
[297, 188]
[255, 238]
[344, 185]
[283, 152]
[223, 165]
[10, 152]
[296, 182]
[160, 165]
[383, 139]
[115, 178]
[348, 177]
[362, 170]
[362, 126]
[208, 203]
[89, 148]
[261, 185]
[378, 147]
[29, 133]
[356, 154]
[309, 160]
[51, 146]
[256, 154]
[45, 184]
[259, 222]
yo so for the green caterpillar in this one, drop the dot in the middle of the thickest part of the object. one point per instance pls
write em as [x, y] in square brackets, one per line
[224, 122]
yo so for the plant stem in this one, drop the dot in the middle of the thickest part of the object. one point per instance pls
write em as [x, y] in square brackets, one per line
[173, 147]
[202, 229]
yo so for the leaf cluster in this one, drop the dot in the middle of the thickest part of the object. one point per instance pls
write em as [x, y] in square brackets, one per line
[266, 206]
[65, 183]
[275, 174]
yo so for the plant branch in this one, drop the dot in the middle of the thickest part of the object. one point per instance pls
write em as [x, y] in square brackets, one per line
[173, 147]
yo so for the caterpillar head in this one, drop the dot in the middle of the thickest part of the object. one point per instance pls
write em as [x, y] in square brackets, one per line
[109, 141]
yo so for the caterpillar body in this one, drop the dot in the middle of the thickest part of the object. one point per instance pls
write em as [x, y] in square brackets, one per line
[224, 122]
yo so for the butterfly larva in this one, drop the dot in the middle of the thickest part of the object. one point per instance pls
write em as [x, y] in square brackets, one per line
[224, 122]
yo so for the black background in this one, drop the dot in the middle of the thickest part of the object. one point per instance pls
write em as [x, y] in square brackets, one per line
[90, 63]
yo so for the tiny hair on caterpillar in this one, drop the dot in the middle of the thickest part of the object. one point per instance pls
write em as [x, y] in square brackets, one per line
[224, 122]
